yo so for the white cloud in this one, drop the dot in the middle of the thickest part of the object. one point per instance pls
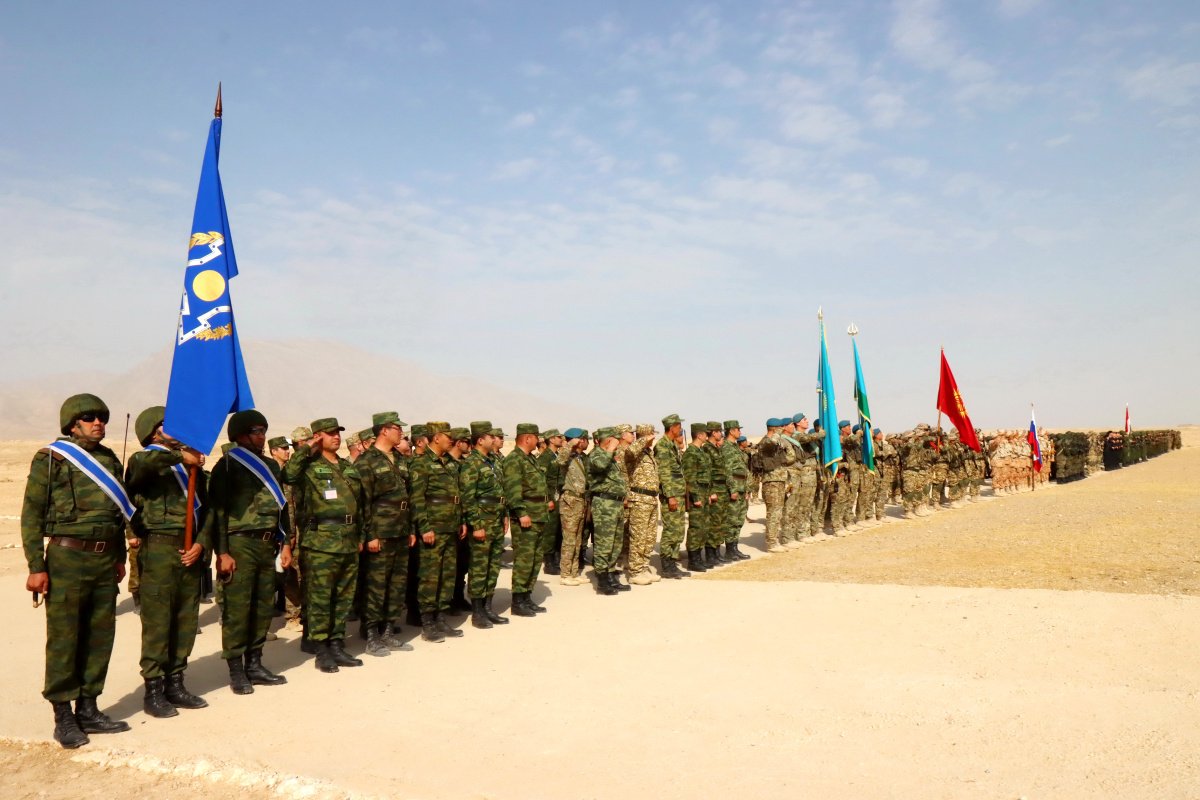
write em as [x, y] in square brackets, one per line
[886, 109]
[1165, 82]
[515, 170]
[819, 123]
[1058, 141]
[1017, 8]
[908, 166]
[525, 119]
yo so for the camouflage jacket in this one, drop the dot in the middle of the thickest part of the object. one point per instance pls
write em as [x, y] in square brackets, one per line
[886, 455]
[737, 466]
[548, 461]
[697, 473]
[62, 501]
[161, 501]
[329, 501]
[718, 474]
[605, 477]
[574, 467]
[641, 467]
[776, 456]
[852, 457]
[238, 501]
[387, 507]
[482, 493]
[525, 486]
[804, 445]
[436, 493]
[670, 468]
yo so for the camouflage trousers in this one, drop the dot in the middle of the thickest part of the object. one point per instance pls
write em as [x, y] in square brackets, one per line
[170, 595]
[866, 495]
[385, 581]
[329, 580]
[572, 513]
[820, 501]
[736, 518]
[484, 571]
[435, 573]
[81, 621]
[609, 518]
[775, 495]
[938, 475]
[717, 519]
[883, 489]
[133, 581]
[956, 485]
[293, 591]
[914, 488]
[792, 509]
[551, 529]
[844, 496]
[529, 546]
[643, 531]
[248, 600]
[673, 524]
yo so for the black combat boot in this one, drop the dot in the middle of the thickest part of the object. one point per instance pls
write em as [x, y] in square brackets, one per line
[492, 616]
[178, 695]
[696, 561]
[324, 660]
[155, 704]
[337, 649]
[459, 605]
[735, 551]
[615, 578]
[258, 674]
[66, 727]
[430, 631]
[452, 633]
[391, 640]
[521, 606]
[550, 564]
[726, 556]
[307, 645]
[375, 645]
[92, 720]
[604, 584]
[670, 569]
[712, 558]
[239, 681]
[479, 617]
[529, 602]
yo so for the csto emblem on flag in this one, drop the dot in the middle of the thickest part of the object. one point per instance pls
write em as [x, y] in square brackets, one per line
[207, 286]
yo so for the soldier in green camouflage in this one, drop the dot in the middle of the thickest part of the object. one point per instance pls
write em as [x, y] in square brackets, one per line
[79, 569]
[170, 572]
[608, 489]
[672, 493]
[459, 449]
[329, 505]
[247, 525]
[573, 504]
[552, 531]
[528, 504]
[718, 510]
[387, 522]
[697, 477]
[737, 466]
[484, 512]
[437, 510]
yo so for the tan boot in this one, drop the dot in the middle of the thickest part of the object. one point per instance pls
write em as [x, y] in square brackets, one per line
[641, 579]
[777, 548]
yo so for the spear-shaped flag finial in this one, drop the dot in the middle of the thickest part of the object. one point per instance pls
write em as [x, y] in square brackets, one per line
[217, 108]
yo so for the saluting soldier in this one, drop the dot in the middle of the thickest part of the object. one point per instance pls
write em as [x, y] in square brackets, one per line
[525, 497]
[387, 521]
[329, 503]
[74, 498]
[484, 512]
[157, 480]
[248, 525]
[672, 493]
[573, 505]
[642, 505]
[437, 508]
[608, 489]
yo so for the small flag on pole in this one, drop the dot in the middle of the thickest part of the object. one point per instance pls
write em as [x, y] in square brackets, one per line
[950, 403]
[1127, 418]
[864, 407]
[1035, 446]
[831, 445]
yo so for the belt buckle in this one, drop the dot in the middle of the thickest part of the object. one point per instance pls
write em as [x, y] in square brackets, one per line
[349, 519]
[455, 500]
[403, 505]
[100, 547]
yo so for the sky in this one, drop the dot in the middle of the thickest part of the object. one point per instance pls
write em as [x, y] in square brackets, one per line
[637, 206]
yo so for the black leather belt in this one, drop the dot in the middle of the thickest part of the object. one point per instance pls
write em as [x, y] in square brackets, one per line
[443, 501]
[535, 499]
[647, 492]
[400, 504]
[264, 536]
[490, 501]
[338, 519]
[84, 545]
[617, 497]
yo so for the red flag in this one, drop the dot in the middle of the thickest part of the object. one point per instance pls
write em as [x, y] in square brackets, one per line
[950, 403]
[1127, 417]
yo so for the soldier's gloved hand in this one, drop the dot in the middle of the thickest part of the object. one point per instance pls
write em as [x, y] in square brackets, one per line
[373, 546]
[38, 582]
[428, 538]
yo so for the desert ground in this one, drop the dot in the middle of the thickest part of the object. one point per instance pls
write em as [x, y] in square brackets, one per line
[1040, 645]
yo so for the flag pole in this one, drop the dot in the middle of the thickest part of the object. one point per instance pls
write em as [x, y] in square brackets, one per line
[217, 108]
[1032, 476]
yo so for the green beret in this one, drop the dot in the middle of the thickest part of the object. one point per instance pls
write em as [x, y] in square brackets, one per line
[671, 419]
[278, 441]
[481, 427]
[325, 425]
[459, 433]
[730, 424]
[76, 406]
[527, 427]
[241, 423]
[386, 418]
[419, 430]
[434, 428]
[698, 428]
[147, 421]
[713, 427]
[550, 434]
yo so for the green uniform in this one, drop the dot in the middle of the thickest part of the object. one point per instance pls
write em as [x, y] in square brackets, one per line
[718, 512]
[697, 476]
[670, 484]
[574, 500]
[245, 522]
[170, 592]
[737, 467]
[328, 504]
[777, 458]
[387, 517]
[525, 495]
[437, 507]
[608, 488]
[552, 529]
[62, 503]
[483, 509]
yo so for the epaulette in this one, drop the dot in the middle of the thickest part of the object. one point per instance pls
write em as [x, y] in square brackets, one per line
[57, 456]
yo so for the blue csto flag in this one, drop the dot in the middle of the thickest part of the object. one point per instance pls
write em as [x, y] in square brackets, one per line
[208, 378]
[831, 445]
[864, 411]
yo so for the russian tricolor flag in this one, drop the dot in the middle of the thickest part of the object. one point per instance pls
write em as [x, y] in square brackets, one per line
[1033, 442]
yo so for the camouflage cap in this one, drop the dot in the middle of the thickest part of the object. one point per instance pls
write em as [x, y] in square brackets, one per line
[550, 434]
[607, 433]
[76, 406]
[730, 424]
[434, 428]
[301, 434]
[645, 429]
[459, 433]
[526, 427]
[352, 440]
[366, 435]
[714, 427]
[241, 423]
[278, 441]
[325, 424]
[596, 434]
[481, 427]
[624, 427]
[418, 430]
[146, 422]
[386, 418]
[698, 428]
[671, 419]
[496, 432]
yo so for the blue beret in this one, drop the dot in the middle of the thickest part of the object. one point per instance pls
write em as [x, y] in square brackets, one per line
[843, 423]
[876, 430]
[812, 430]
[800, 416]
[741, 439]
[775, 422]
[575, 433]
[856, 429]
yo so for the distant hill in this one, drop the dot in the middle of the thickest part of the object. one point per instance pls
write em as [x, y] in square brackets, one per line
[352, 384]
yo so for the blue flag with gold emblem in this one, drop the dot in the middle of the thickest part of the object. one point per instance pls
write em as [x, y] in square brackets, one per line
[831, 445]
[208, 377]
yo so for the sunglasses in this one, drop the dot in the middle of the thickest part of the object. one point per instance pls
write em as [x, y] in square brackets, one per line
[258, 430]
[92, 417]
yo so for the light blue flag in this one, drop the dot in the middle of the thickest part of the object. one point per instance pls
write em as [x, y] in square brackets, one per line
[864, 410]
[831, 446]
[208, 378]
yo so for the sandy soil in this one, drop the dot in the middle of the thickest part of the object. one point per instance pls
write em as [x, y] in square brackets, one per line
[813, 675]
